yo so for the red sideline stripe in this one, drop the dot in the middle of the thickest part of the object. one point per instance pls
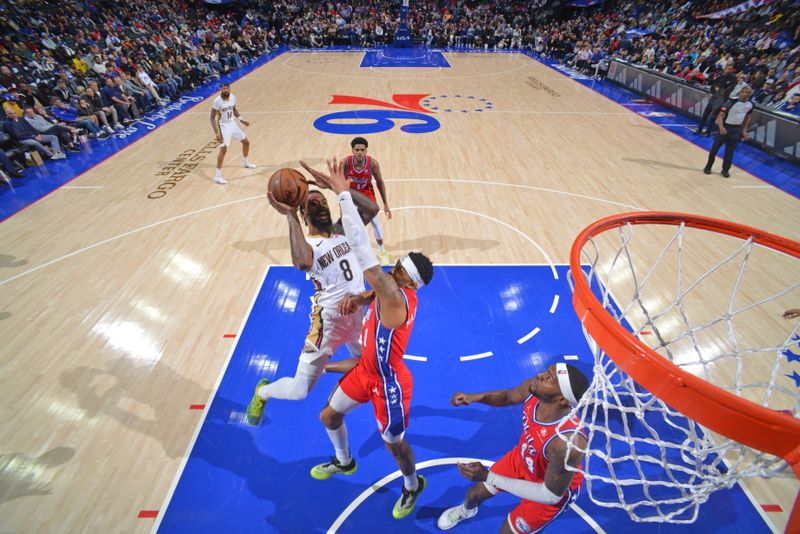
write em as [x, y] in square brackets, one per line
[197, 406]
[228, 336]
[646, 333]
[148, 514]
[772, 507]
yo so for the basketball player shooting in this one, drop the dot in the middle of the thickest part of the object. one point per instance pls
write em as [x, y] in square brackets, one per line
[223, 120]
[333, 267]
[535, 469]
[380, 376]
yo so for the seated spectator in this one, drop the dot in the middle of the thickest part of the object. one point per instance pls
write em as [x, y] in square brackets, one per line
[100, 104]
[125, 106]
[149, 84]
[791, 105]
[86, 114]
[67, 136]
[24, 133]
[765, 94]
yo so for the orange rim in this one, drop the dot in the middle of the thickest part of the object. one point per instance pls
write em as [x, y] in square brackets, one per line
[741, 420]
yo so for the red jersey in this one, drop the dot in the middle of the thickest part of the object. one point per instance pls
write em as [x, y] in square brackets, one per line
[533, 442]
[360, 179]
[383, 348]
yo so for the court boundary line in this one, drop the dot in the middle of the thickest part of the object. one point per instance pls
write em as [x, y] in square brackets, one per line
[451, 460]
[199, 425]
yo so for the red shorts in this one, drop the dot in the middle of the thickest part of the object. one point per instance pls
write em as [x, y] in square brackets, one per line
[390, 397]
[369, 193]
[528, 516]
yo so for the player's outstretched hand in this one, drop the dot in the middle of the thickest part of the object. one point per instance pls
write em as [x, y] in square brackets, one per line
[334, 180]
[388, 212]
[461, 399]
[474, 471]
[246, 123]
[280, 207]
[791, 314]
[347, 306]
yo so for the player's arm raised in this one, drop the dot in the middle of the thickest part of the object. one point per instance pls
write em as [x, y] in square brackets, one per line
[367, 209]
[215, 124]
[302, 253]
[376, 172]
[392, 303]
[500, 398]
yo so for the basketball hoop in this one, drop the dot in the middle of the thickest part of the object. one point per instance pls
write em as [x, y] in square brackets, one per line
[688, 394]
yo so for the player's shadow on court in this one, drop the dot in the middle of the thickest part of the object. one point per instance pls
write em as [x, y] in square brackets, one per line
[442, 243]
[252, 455]
[661, 164]
[23, 476]
[152, 401]
[264, 246]
[4, 315]
[9, 262]
[425, 431]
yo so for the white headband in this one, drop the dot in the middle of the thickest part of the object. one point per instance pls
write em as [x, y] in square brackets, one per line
[563, 382]
[412, 271]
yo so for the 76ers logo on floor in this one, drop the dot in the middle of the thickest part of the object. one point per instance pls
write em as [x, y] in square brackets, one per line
[405, 108]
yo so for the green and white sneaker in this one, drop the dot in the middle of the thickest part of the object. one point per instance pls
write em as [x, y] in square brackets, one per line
[327, 470]
[255, 410]
[405, 504]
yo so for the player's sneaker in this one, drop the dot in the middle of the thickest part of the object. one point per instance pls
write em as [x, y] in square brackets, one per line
[247, 164]
[327, 470]
[405, 504]
[255, 410]
[455, 515]
[383, 257]
[218, 179]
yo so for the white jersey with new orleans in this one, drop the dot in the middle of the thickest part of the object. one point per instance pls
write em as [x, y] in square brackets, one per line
[225, 108]
[335, 271]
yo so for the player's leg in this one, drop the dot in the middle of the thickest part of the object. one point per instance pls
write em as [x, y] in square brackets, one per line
[223, 149]
[332, 417]
[353, 345]
[506, 466]
[378, 231]
[241, 136]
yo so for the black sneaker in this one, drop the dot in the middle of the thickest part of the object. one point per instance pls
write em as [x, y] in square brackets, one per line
[706, 171]
[405, 504]
[725, 174]
[328, 469]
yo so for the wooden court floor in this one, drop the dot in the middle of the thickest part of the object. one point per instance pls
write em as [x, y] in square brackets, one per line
[101, 281]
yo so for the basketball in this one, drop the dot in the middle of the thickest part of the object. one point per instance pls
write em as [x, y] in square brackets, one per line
[288, 186]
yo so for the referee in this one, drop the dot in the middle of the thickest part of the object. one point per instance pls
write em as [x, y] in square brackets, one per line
[732, 121]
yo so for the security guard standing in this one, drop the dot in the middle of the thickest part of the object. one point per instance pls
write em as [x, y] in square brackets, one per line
[732, 120]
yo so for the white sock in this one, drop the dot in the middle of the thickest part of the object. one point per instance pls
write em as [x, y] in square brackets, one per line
[218, 173]
[410, 482]
[339, 439]
[380, 247]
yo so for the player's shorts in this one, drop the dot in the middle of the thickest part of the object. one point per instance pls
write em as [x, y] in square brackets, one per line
[369, 193]
[231, 130]
[329, 331]
[390, 397]
[528, 516]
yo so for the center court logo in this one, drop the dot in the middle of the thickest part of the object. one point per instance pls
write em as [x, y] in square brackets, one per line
[404, 107]
[418, 109]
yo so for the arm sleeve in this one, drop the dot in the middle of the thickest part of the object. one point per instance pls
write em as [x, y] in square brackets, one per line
[530, 491]
[356, 232]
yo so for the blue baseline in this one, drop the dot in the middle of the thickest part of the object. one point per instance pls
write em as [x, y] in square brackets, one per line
[255, 479]
[404, 58]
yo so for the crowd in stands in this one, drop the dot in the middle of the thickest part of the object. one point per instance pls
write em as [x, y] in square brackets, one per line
[88, 67]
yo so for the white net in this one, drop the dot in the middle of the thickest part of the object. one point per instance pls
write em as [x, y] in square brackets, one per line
[712, 305]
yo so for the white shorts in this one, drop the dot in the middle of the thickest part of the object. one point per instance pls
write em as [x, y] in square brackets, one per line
[231, 130]
[329, 331]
